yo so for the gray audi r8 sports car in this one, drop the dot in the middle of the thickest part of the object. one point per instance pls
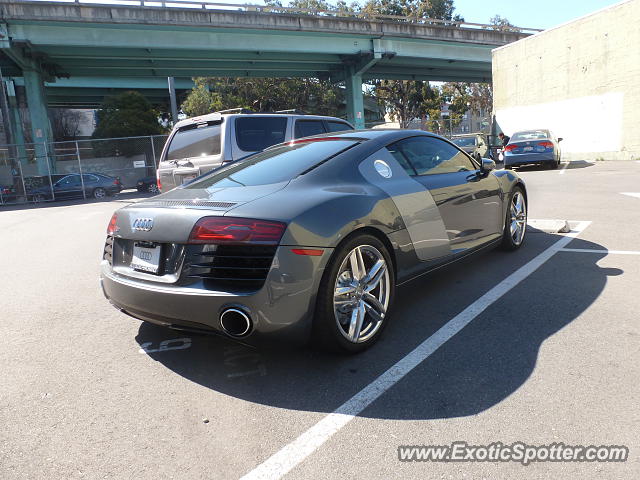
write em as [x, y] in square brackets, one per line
[308, 239]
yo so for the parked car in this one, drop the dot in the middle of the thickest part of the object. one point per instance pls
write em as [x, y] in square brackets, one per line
[531, 147]
[96, 185]
[199, 144]
[308, 239]
[147, 184]
[475, 144]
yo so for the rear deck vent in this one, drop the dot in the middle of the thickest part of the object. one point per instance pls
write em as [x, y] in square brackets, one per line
[186, 203]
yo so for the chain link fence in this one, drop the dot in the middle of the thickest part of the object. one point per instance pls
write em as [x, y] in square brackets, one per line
[77, 169]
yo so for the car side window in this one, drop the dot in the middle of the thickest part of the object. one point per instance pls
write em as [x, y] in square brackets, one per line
[393, 150]
[432, 156]
[334, 126]
[307, 128]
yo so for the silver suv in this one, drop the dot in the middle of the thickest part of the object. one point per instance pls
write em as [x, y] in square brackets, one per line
[199, 144]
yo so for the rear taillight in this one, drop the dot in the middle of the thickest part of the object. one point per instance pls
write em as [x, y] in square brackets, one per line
[509, 148]
[225, 230]
[158, 182]
[112, 228]
[546, 144]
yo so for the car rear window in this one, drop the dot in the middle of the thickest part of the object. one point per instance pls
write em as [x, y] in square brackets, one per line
[278, 164]
[257, 133]
[195, 141]
[530, 135]
[464, 141]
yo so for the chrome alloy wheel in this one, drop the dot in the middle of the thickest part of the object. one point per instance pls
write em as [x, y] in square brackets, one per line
[518, 218]
[361, 293]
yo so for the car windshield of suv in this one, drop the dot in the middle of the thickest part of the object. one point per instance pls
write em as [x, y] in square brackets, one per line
[530, 135]
[279, 164]
[464, 141]
[195, 141]
[254, 134]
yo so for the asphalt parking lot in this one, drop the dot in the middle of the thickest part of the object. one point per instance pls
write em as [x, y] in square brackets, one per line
[539, 346]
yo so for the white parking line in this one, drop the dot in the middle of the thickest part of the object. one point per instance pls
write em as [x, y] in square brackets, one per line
[294, 453]
[588, 250]
[564, 168]
[631, 194]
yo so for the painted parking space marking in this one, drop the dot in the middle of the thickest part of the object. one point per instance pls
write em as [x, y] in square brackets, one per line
[631, 194]
[166, 345]
[591, 250]
[295, 452]
[564, 168]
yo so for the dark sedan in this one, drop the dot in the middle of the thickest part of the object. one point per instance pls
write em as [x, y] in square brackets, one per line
[94, 185]
[308, 239]
[148, 184]
[532, 147]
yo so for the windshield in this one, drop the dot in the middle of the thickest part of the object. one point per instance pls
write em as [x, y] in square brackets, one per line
[195, 141]
[464, 141]
[279, 164]
[530, 135]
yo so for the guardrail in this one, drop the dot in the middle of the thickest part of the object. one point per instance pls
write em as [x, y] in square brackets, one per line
[211, 5]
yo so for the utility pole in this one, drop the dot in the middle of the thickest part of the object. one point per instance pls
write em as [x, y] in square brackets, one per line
[172, 97]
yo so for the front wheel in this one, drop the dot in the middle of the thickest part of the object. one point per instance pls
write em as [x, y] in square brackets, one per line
[515, 224]
[355, 296]
[153, 188]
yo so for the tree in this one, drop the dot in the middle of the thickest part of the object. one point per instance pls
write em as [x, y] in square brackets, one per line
[263, 94]
[128, 114]
[500, 23]
[405, 100]
[65, 123]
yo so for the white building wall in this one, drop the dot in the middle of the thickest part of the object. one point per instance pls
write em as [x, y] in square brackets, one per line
[581, 80]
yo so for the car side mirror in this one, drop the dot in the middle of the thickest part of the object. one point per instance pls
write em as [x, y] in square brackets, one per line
[487, 165]
[560, 139]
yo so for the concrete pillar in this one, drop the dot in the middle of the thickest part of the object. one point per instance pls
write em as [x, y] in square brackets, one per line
[355, 100]
[16, 121]
[40, 124]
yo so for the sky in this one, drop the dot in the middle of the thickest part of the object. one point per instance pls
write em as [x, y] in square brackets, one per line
[532, 14]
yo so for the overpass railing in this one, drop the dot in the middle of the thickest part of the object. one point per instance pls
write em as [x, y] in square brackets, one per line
[212, 5]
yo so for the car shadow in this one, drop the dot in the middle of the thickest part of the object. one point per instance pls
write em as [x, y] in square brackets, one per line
[479, 367]
[564, 165]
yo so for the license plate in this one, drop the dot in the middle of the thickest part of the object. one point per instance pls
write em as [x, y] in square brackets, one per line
[188, 178]
[527, 149]
[146, 259]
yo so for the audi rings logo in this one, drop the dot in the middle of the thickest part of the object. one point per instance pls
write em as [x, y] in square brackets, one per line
[142, 224]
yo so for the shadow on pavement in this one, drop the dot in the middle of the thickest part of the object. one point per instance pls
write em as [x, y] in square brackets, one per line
[479, 367]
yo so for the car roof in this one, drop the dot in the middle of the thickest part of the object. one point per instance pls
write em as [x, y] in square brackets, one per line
[217, 116]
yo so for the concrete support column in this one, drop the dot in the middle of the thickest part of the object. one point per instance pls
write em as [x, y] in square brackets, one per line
[355, 100]
[40, 124]
[16, 121]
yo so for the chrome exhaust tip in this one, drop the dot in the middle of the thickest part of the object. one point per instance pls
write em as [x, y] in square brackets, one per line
[235, 322]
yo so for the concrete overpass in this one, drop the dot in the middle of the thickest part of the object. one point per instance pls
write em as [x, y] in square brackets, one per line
[43, 41]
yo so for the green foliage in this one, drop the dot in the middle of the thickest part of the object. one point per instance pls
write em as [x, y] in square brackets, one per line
[263, 94]
[405, 100]
[128, 114]
[501, 23]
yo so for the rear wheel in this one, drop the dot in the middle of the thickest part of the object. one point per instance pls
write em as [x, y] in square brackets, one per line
[99, 193]
[355, 296]
[153, 188]
[515, 224]
[553, 165]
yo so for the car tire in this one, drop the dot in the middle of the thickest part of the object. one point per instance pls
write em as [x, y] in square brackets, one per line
[99, 193]
[512, 240]
[153, 188]
[553, 165]
[335, 324]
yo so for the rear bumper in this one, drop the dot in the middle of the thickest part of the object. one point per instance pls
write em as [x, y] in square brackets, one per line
[528, 158]
[281, 311]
